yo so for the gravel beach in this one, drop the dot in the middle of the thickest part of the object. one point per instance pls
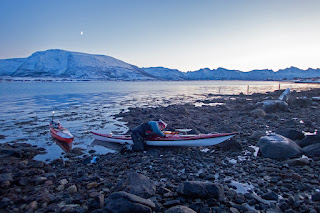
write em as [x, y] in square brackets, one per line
[230, 177]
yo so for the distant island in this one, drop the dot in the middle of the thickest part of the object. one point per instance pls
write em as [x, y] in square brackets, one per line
[66, 65]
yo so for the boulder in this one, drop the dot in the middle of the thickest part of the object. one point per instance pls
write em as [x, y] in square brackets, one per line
[290, 133]
[258, 113]
[198, 189]
[122, 202]
[312, 150]
[278, 147]
[309, 140]
[180, 209]
[230, 145]
[137, 184]
[270, 106]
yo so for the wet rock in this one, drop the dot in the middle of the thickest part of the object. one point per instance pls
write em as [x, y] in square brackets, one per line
[290, 133]
[298, 162]
[278, 147]
[5, 177]
[312, 150]
[40, 180]
[230, 145]
[121, 202]
[270, 196]
[138, 184]
[180, 209]
[171, 203]
[309, 140]
[10, 152]
[316, 196]
[198, 189]
[24, 181]
[271, 106]
[5, 202]
[51, 176]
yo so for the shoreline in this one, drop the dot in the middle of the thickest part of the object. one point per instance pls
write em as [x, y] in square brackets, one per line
[76, 185]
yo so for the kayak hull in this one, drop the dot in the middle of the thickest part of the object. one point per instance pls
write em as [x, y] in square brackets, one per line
[61, 134]
[170, 140]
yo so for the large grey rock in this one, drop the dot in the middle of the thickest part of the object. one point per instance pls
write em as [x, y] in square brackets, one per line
[270, 106]
[180, 209]
[122, 202]
[137, 184]
[198, 189]
[312, 150]
[309, 140]
[278, 147]
[290, 133]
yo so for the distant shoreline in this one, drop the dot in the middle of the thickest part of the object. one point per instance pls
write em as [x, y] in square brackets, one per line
[7, 79]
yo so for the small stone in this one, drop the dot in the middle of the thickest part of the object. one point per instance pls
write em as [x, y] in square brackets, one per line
[60, 188]
[33, 206]
[92, 185]
[72, 189]
[94, 194]
[64, 181]
[48, 182]
[40, 180]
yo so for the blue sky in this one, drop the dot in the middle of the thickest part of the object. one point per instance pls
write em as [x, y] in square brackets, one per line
[181, 34]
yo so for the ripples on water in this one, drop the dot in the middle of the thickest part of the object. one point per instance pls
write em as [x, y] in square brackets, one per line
[26, 108]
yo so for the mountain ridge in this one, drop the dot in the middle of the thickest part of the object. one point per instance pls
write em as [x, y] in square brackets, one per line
[59, 63]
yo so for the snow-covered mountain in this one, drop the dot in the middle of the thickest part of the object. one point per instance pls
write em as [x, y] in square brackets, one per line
[165, 73]
[74, 65]
[8, 66]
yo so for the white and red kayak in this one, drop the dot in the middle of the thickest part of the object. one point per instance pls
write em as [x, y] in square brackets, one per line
[172, 139]
[60, 133]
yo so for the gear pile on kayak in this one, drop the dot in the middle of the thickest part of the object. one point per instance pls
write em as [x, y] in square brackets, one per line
[171, 139]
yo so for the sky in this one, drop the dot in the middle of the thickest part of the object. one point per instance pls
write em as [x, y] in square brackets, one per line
[179, 34]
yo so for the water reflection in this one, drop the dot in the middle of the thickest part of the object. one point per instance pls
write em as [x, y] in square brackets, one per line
[67, 147]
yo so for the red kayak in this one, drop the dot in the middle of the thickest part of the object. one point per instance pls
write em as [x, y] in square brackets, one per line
[60, 133]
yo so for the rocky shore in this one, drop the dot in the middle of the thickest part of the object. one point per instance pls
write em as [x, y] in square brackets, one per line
[229, 177]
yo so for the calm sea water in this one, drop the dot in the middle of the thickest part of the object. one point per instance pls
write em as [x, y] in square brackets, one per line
[26, 108]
